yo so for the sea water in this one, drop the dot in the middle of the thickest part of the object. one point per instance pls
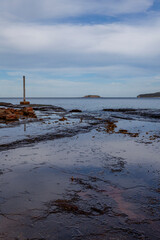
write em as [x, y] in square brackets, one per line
[93, 104]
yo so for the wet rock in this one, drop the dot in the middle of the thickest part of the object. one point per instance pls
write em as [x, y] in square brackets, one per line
[75, 111]
[134, 134]
[147, 113]
[110, 126]
[8, 114]
[11, 114]
[63, 119]
[66, 205]
[2, 113]
[61, 206]
[124, 131]
[154, 137]
[119, 110]
[28, 111]
[47, 108]
[4, 104]
[12, 117]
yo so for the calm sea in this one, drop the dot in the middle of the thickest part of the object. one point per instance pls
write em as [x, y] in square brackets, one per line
[93, 104]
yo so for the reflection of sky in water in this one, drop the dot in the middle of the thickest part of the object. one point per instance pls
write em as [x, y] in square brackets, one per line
[86, 155]
[42, 172]
[49, 124]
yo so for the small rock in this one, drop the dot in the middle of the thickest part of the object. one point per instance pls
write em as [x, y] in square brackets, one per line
[75, 110]
[63, 119]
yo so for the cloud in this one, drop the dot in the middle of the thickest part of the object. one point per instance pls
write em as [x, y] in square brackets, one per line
[60, 59]
[36, 45]
[66, 45]
[44, 9]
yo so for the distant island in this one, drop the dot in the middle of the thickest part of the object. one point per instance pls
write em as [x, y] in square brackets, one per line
[92, 96]
[149, 95]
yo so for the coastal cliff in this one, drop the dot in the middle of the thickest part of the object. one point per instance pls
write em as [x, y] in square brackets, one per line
[149, 95]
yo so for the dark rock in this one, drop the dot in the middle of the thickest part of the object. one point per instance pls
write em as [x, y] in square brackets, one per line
[63, 119]
[45, 108]
[123, 110]
[91, 96]
[75, 110]
[149, 95]
[147, 113]
[4, 104]
[124, 131]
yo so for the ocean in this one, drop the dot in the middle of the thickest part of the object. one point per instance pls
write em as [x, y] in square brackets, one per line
[97, 104]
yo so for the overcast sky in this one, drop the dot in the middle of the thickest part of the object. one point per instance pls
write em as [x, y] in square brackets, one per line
[70, 48]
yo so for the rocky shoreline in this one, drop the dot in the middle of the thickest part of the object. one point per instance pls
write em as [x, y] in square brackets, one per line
[52, 122]
[67, 123]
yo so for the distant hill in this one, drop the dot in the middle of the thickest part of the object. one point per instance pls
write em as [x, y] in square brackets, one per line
[92, 96]
[149, 95]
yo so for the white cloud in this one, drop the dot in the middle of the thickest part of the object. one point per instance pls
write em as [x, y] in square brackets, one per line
[43, 9]
[109, 39]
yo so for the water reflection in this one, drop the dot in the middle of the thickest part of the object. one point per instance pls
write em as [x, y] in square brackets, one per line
[55, 187]
[24, 127]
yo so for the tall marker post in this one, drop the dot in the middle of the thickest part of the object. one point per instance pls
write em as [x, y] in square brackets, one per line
[24, 89]
[24, 93]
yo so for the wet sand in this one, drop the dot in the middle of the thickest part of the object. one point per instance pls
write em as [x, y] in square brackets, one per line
[87, 177]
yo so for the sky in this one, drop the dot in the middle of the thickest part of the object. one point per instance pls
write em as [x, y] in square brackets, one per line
[72, 48]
